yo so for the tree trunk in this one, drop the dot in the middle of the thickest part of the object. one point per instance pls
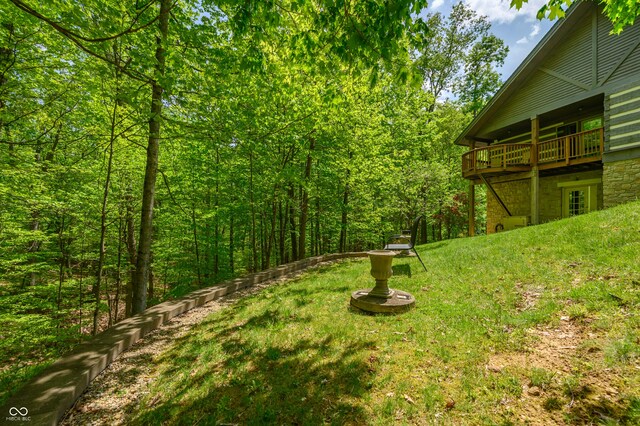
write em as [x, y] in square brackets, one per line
[304, 208]
[231, 244]
[343, 220]
[263, 240]
[318, 236]
[61, 270]
[208, 239]
[151, 170]
[440, 220]
[254, 250]
[103, 220]
[109, 302]
[281, 236]
[131, 250]
[195, 242]
[292, 224]
[119, 262]
[80, 294]
[34, 245]
[7, 57]
[272, 233]
[217, 237]
[342, 243]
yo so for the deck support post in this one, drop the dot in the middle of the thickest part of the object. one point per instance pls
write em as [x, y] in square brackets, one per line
[472, 209]
[535, 173]
[472, 200]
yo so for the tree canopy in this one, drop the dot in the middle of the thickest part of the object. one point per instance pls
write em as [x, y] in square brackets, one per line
[148, 149]
[622, 13]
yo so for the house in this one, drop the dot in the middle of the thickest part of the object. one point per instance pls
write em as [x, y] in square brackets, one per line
[562, 136]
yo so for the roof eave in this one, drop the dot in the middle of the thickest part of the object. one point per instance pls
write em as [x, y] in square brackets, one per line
[524, 69]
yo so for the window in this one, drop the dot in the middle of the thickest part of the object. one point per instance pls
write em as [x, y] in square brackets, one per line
[591, 123]
[576, 202]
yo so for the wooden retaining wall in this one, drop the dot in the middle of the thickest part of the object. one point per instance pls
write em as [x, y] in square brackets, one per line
[49, 395]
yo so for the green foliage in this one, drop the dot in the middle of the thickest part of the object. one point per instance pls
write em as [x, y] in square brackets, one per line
[625, 349]
[289, 129]
[621, 13]
[459, 55]
[36, 330]
[481, 80]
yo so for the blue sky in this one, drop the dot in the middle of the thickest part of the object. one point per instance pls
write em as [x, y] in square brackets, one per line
[520, 30]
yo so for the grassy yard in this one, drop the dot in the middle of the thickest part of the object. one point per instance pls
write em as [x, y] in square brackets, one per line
[537, 325]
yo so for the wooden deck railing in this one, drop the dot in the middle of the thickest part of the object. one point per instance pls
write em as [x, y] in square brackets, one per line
[578, 148]
[504, 157]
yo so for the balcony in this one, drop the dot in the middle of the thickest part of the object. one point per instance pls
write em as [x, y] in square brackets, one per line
[578, 148]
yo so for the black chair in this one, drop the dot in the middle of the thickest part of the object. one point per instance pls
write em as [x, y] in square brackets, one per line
[412, 243]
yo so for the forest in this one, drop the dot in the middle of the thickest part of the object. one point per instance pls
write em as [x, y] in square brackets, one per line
[150, 148]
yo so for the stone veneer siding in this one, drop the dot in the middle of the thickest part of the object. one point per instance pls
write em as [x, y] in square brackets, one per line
[621, 181]
[551, 195]
[517, 197]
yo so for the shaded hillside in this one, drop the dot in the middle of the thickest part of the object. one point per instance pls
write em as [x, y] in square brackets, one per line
[537, 325]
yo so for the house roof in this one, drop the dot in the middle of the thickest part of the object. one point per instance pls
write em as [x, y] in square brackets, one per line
[543, 49]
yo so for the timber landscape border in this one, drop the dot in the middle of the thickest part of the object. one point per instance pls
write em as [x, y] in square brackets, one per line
[49, 395]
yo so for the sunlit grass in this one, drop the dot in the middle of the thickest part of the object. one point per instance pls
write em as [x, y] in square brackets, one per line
[296, 354]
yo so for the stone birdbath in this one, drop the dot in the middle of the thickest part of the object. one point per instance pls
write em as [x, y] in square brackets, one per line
[381, 298]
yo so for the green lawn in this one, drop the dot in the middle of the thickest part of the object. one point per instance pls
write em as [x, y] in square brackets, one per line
[478, 348]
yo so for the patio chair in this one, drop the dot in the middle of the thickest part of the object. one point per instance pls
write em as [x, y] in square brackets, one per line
[412, 242]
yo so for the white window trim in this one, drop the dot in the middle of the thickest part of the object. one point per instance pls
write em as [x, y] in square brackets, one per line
[584, 182]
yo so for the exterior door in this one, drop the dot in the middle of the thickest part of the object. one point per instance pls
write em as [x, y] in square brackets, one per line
[578, 200]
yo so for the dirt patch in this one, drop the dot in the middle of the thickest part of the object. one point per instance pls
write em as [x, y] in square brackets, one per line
[563, 376]
[528, 297]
